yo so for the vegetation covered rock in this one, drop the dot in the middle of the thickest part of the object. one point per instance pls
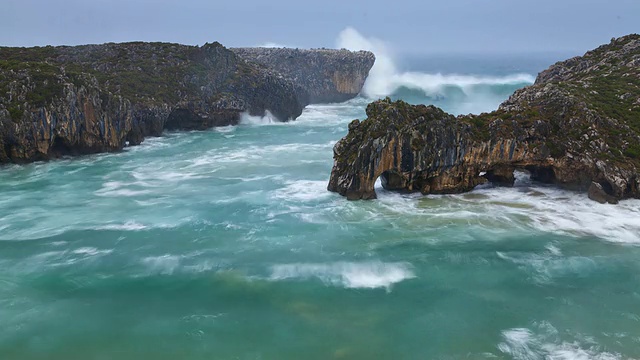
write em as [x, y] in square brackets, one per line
[578, 126]
[57, 101]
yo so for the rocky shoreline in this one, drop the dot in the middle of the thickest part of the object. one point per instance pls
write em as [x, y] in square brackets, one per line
[578, 127]
[58, 101]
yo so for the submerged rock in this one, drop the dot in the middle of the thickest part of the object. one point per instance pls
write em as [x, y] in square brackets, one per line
[579, 124]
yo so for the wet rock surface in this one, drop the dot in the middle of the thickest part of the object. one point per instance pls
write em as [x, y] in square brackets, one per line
[578, 127]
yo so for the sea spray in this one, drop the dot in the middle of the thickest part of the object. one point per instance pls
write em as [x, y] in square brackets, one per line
[475, 93]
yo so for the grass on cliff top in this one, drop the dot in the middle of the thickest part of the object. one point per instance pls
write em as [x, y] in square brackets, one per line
[140, 72]
[45, 79]
[32, 54]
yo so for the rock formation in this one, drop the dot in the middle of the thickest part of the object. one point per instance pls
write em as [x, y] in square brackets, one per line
[322, 75]
[578, 126]
[57, 101]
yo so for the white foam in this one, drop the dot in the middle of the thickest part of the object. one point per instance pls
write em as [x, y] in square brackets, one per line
[525, 206]
[119, 189]
[165, 264]
[384, 78]
[524, 344]
[571, 213]
[302, 190]
[127, 226]
[91, 251]
[267, 119]
[266, 155]
[169, 264]
[225, 129]
[365, 275]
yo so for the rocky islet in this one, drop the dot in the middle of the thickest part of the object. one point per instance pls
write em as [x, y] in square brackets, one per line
[578, 127]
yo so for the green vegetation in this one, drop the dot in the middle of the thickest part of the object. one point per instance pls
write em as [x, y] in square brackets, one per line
[15, 113]
[633, 151]
[22, 55]
[44, 80]
[149, 73]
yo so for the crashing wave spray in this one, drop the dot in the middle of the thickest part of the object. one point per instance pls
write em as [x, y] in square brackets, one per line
[385, 79]
[378, 83]
[267, 119]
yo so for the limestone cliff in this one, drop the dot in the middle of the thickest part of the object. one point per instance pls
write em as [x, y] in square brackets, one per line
[75, 100]
[578, 126]
[57, 101]
[322, 75]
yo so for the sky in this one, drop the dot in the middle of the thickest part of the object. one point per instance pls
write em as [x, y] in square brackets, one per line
[417, 26]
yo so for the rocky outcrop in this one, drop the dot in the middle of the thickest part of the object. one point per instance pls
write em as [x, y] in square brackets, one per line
[578, 126]
[321, 75]
[57, 101]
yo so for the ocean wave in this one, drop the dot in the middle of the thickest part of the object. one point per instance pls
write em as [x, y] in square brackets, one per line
[267, 119]
[91, 251]
[524, 344]
[386, 80]
[528, 205]
[127, 226]
[276, 155]
[169, 264]
[365, 275]
[571, 213]
[59, 258]
[302, 191]
[545, 268]
[119, 189]
[164, 264]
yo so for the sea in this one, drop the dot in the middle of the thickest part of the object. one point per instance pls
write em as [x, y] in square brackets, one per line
[226, 244]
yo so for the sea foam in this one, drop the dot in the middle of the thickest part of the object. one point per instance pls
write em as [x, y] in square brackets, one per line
[267, 119]
[524, 344]
[385, 79]
[302, 191]
[365, 275]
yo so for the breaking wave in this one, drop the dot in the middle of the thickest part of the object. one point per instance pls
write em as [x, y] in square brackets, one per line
[524, 344]
[385, 79]
[267, 119]
[368, 275]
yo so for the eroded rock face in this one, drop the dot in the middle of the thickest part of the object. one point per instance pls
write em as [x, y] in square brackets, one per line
[576, 127]
[321, 75]
[57, 101]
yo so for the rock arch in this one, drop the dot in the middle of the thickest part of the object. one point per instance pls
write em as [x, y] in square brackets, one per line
[422, 148]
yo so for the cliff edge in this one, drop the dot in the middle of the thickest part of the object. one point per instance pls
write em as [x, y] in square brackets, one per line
[578, 127]
[58, 101]
[322, 75]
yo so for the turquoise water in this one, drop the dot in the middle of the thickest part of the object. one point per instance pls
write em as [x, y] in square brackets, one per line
[225, 244]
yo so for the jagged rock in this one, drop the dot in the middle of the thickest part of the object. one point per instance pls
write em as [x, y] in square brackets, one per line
[570, 128]
[57, 101]
[322, 75]
[597, 193]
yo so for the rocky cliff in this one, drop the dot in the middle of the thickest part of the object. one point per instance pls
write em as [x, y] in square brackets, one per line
[578, 126]
[322, 75]
[57, 101]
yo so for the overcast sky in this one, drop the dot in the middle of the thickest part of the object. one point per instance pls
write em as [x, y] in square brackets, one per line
[418, 26]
